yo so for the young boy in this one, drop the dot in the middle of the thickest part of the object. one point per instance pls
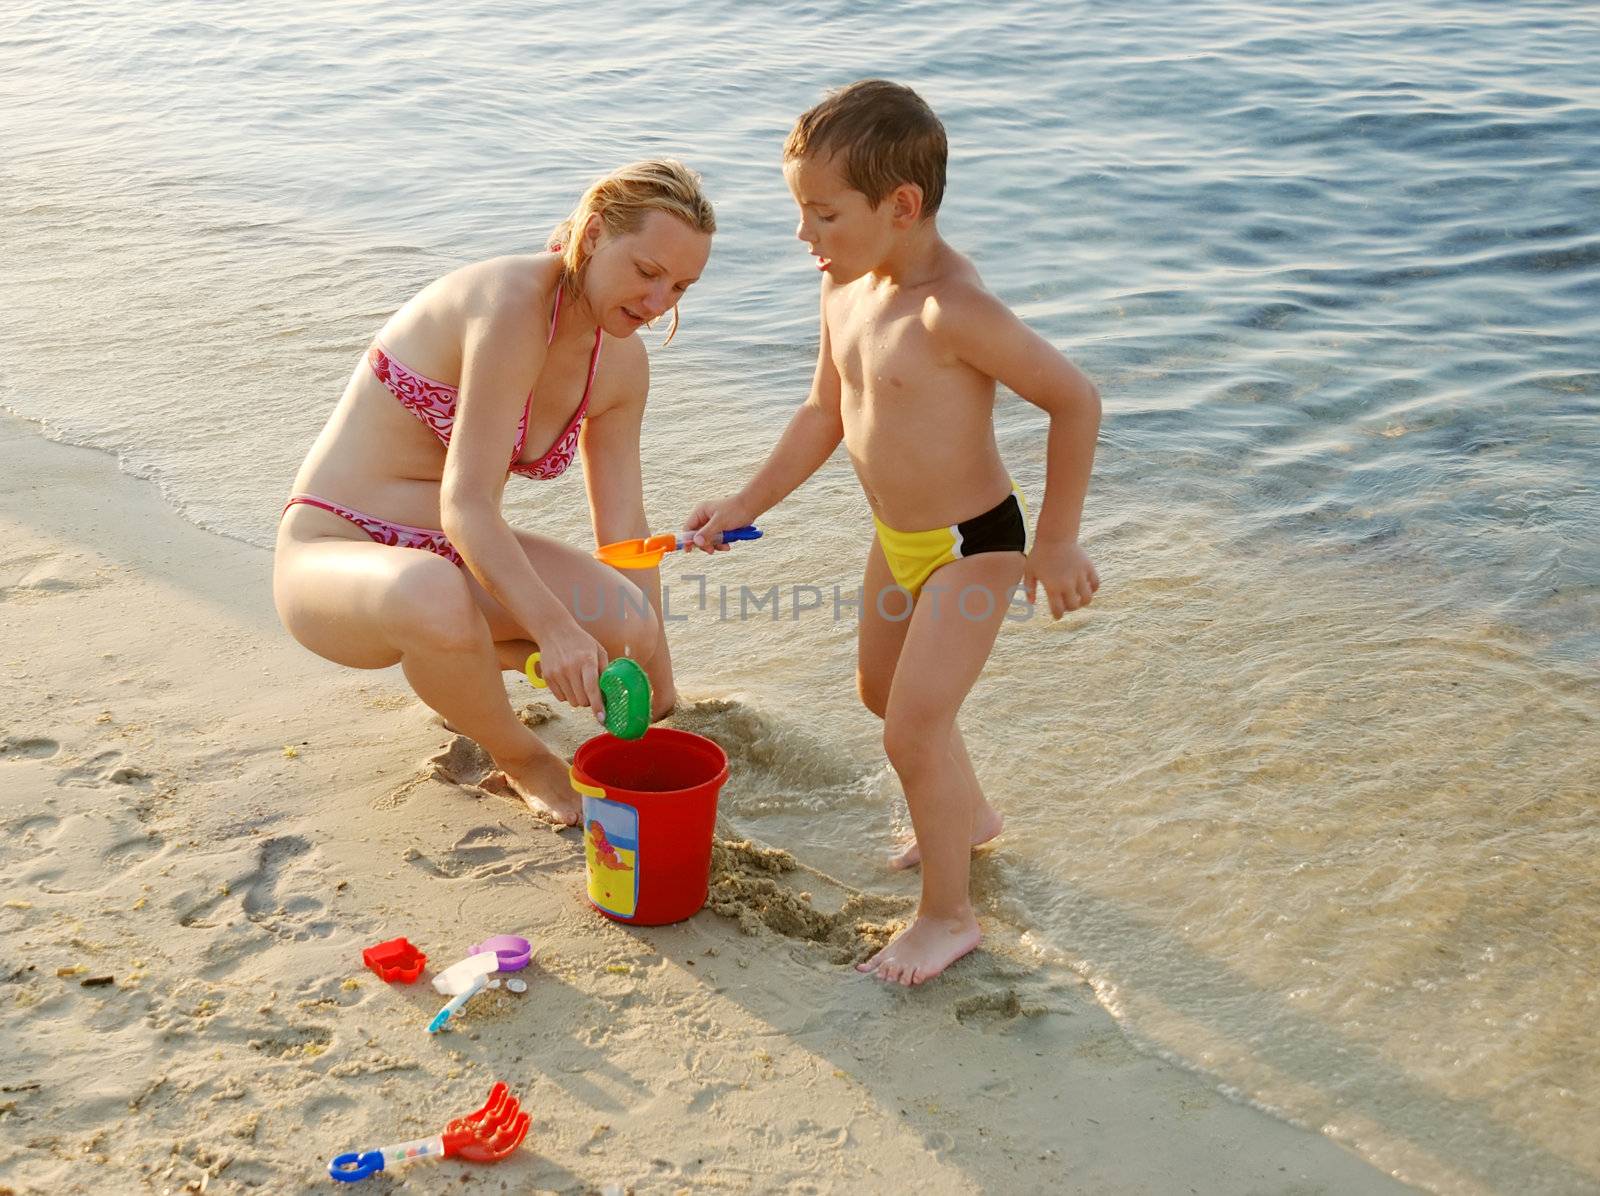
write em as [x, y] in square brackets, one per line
[912, 346]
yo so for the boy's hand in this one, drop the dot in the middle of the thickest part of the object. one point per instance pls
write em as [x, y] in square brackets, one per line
[710, 519]
[1065, 571]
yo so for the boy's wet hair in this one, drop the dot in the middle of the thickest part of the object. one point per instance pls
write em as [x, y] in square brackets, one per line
[882, 134]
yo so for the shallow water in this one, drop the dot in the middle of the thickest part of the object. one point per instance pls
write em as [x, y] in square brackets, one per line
[1309, 793]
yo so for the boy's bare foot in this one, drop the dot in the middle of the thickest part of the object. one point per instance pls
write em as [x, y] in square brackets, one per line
[986, 827]
[924, 949]
[542, 782]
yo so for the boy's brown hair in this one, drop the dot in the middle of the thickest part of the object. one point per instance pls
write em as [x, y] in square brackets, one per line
[882, 133]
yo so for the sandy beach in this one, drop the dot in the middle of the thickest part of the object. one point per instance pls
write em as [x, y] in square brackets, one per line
[219, 822]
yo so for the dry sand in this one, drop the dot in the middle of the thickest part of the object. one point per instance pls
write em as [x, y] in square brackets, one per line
[218, 821]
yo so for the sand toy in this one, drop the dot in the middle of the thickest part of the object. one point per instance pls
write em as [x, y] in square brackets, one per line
[649, 810]
[624, 692]
[459, 976]
[485, 1136]
[512, 951]
[396, 961]
[462, 981]
[647, 553]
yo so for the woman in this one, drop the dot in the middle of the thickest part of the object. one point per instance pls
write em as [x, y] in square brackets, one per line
[393, 548]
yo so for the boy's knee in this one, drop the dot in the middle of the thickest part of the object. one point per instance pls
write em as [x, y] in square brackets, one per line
[911, 743]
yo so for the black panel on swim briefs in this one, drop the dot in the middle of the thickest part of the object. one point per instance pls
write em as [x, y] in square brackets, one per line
[999, 529]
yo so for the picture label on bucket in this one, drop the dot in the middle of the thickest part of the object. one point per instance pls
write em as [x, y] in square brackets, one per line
[611, 855]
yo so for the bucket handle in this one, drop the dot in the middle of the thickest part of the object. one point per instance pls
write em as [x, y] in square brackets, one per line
[583, 787]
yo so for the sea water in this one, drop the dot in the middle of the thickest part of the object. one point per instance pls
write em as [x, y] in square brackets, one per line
[1308, 794]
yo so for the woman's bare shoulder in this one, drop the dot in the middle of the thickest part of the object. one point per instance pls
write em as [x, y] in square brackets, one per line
[496, 300]
[518, 287]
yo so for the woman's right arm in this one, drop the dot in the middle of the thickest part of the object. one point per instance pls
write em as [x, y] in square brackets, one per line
[499, 362]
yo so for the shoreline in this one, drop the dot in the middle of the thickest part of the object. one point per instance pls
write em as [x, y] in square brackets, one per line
[196, 806]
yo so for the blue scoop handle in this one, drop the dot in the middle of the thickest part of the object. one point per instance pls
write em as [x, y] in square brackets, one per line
[357, 1164]
[748, 532]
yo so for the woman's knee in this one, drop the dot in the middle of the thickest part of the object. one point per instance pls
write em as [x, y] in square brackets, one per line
[326, 611]
[430, 606]
[625, 623]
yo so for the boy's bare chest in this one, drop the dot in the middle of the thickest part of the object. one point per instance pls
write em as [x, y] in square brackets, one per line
[897, 379]
[883, 355]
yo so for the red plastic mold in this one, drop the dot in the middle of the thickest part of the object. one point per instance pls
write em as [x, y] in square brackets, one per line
[395, 961]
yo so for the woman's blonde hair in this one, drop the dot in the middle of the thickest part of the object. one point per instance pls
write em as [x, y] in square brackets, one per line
[622, 199]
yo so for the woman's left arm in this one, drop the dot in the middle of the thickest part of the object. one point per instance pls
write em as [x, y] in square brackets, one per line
[610, 444]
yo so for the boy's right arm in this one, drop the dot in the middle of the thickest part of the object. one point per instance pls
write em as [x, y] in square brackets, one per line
[808, 441]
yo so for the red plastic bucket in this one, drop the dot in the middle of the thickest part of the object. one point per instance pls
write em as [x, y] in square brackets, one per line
[649, 807]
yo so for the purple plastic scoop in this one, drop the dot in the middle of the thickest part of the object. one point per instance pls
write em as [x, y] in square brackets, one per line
[512, 952]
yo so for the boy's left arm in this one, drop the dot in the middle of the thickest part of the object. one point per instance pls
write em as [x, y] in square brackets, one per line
[989, 337]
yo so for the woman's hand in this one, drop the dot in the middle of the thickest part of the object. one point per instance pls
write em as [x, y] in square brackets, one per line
[709, 520]
[1065, 571]
[570, 660]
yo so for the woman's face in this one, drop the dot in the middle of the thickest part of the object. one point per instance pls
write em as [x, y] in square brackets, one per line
[633, 278]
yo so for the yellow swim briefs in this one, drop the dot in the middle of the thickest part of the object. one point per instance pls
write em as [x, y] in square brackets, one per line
[913, 556]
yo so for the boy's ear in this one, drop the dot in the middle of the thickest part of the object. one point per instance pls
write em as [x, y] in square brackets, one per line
[906, 205]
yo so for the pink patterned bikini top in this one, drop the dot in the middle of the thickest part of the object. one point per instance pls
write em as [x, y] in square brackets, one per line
[434, 404]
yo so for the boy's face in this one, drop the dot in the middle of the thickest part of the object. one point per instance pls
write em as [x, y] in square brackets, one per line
[845, 233]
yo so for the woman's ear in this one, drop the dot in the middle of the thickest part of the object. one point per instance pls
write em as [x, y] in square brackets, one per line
[591, 233]
[907, 205]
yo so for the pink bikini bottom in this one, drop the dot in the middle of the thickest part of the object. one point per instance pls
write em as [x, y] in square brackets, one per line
[400, 535]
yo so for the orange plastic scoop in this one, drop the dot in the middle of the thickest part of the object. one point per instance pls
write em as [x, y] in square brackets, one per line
[646, 553]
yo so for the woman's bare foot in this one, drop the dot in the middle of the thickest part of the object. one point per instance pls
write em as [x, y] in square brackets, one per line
[924, 949]
[985, 827]
[541, 780]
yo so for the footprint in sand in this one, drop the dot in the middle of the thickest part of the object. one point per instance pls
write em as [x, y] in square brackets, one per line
[276, 895]
[81, 853]
[27, 747]
[487, 853]
[41, 575]
[132, 851]
[989, 1008]
[198, 917]
[106, 768]
[32, 827]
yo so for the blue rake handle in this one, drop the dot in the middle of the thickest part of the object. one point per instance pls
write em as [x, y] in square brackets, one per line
[732, 535]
